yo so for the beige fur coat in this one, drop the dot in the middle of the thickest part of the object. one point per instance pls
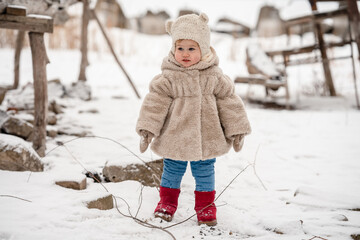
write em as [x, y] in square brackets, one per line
[193, 112]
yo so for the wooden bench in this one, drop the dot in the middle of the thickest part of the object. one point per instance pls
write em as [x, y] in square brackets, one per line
[262, 71]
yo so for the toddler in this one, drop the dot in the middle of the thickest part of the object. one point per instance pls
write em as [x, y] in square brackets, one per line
[193, 115]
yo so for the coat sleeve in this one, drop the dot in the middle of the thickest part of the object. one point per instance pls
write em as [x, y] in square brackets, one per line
[231, 109]
[155, 106]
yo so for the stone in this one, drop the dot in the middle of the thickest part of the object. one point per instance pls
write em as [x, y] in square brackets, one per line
[18, 155]
[2, 94]
[93, 110]
[76, 185]
[3, 117]
[17, 127]
[55, 107]
[103, 203]
[20, 99]
[147, 175]
[80, 90]
[51, 118]
[355, 236]
[73, 130]
[56, 89]
[51, 131]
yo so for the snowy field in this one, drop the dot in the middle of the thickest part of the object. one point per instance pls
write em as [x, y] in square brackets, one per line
[299, 171]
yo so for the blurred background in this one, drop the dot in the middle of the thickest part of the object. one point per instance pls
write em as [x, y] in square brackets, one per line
[305, 45]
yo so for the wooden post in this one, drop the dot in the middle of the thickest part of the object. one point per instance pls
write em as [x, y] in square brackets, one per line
[36, 26]
[18, 47]
[39, 60]
[355, 21]
[325, 60]
[84, 41]
[353, 65]
[114, 54]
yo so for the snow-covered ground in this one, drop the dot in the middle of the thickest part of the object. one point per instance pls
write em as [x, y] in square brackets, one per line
[302, 182]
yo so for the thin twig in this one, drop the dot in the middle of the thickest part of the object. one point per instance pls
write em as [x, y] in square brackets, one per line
[314, 237]
[15, 197]
[232, 181]
[253, 165]
[139, 221]
[105, 138]
[187, 219]
[140, 200]
[29, 176]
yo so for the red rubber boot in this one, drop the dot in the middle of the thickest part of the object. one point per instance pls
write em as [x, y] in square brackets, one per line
[205, 208]
[168, 203]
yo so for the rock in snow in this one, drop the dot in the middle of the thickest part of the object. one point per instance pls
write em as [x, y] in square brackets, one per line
[18, 155]
[104, 203]
[148, 175]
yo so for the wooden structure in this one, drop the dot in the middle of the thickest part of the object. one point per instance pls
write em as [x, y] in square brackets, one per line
[36, 25]
[84, 41]
[87, 15]
[263, 72]
[320, 46]
[231, 27]
[269, 22]
[111, 12]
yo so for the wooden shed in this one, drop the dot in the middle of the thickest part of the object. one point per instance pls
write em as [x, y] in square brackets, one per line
[153, 23]
[111, 13]
[269, 23]
[234, 28]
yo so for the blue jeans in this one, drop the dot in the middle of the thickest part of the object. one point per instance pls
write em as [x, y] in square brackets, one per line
[203, 171]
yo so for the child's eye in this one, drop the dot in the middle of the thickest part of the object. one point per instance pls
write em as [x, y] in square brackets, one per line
[191, 49]
[180, 48]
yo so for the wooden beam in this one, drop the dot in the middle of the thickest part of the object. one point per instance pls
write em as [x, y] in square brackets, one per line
[325, 61]
[18, 47]
[305, 49]
[93, 13]
[354, 21]
[16, 10]
[31, 23]
[39, 59]
[342, 11]
[84, 41]
[316, 17]
[293, 51]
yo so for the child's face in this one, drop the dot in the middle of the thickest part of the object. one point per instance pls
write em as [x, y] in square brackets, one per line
[187, 52]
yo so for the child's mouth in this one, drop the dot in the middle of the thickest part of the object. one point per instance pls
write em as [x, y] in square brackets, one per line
[186, 60]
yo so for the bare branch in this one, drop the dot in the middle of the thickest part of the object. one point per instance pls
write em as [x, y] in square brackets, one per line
[314, 237]
[105, 138]
[187, 219]
[15, 197]
[140, 200]
[253, 165]
[139, 221]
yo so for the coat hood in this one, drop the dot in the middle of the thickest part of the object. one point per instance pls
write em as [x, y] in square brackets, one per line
[211, 59]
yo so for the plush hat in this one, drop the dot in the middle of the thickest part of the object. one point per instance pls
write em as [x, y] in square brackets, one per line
[193, 27]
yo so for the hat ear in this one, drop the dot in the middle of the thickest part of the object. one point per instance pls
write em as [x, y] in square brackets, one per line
[168, 25]
[204, 17]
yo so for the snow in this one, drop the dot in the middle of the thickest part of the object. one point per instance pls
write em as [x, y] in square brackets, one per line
[15, 144]
[307, 159]
[261, 61]
[16, 6]
[39, 16]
